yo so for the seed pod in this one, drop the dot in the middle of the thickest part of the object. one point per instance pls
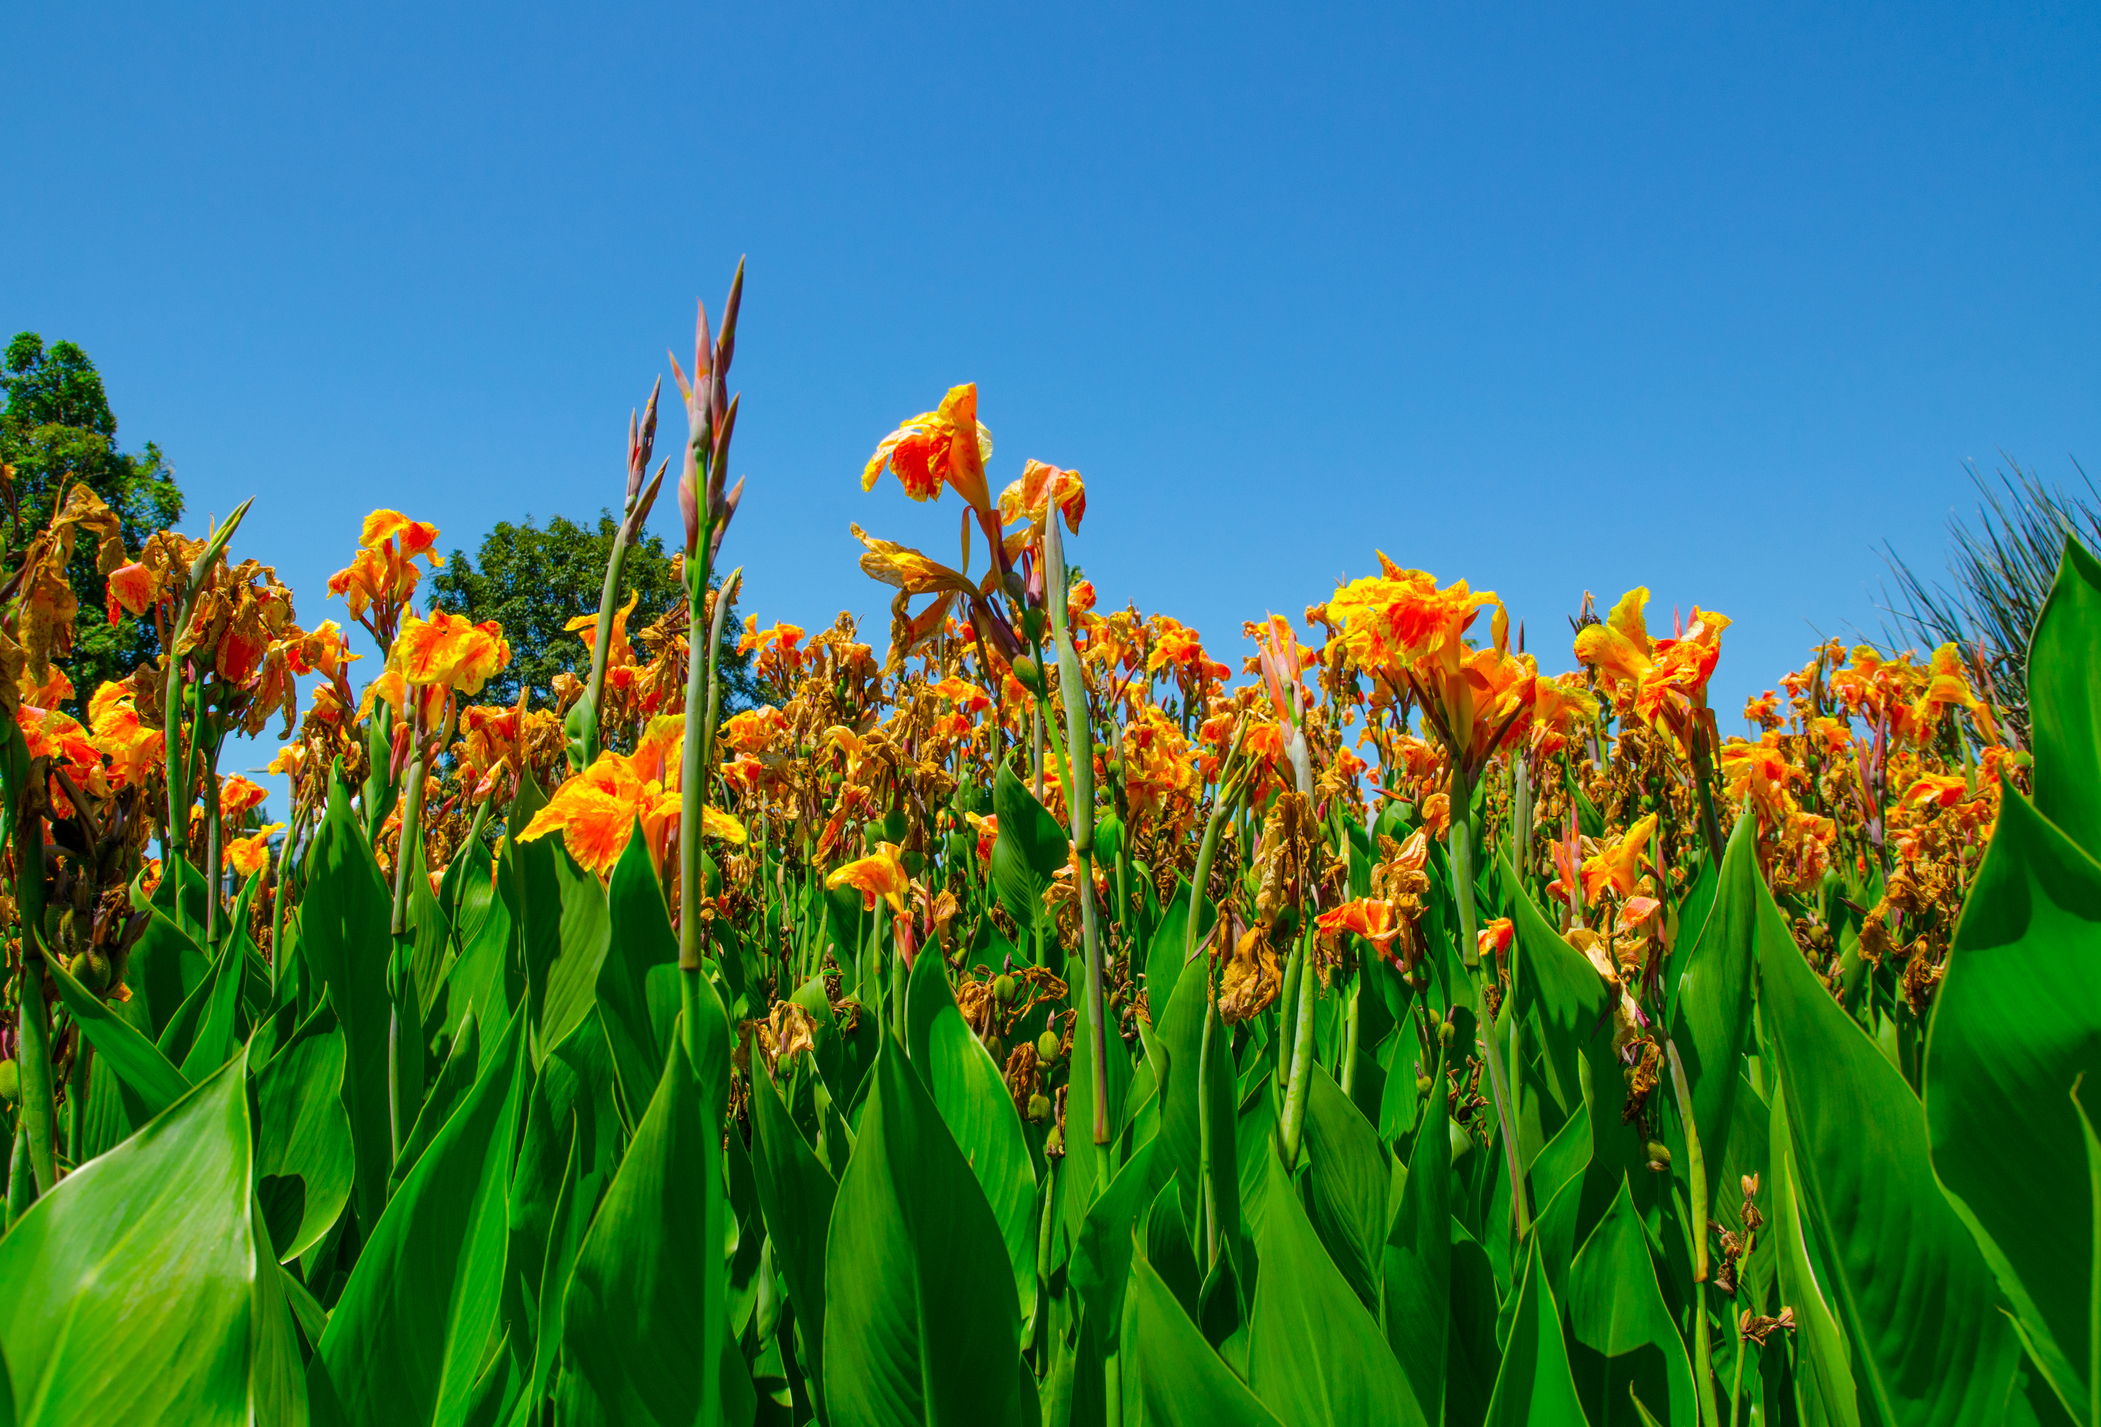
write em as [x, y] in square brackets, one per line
[1445, 1032]
[1039, 1108]
[10, 1081]
[1659, 1156]
[1003, 990]
[1423, 1083]
[1048, 1046]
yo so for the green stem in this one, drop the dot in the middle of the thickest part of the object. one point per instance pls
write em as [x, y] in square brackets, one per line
[171, 688]
[1462, 849]
[214, 874]
[1301, 1055]
[1208, 1200]
[39, 1107]
[77, 1097]
[1695, 1162]
[1710, 1414]
[1349, 1054]
[693, 779]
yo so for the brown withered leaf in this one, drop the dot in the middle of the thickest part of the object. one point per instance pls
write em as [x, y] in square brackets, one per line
[1251, 982]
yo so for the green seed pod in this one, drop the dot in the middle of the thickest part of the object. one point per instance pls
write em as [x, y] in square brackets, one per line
[1039, 1108]
[1445, 1031]
[1003, 990]
[1048, 1046]
[90, 969]
[895, 825]
[1027, 674]
[10, 1081]
[1423, 1084]
[1659, 1156]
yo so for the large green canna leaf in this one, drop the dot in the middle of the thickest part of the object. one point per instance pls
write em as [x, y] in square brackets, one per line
[1626, 1339]
[1170, 943]
[343, 921]
[151, 1084]
[140, 1288]
[1030, 850]
[567, 1155]
[201, 1035]
[166, 965]
[1101, 1260]
[1417, 1263]
[1535, 1387]
[921, 1325]
[795, 1197]
[973, 1099]
[637, 1319]
[1712, 1018]
[1347, 1185]
[455, 1079]
[642, 942]
[1316, 1358]
[584, 936]
[1823, 1373]
[2064, 703]
[304, 1163]
[1907, 1281]
[406, 1340]
[1180, 1380]
[2018, 1022]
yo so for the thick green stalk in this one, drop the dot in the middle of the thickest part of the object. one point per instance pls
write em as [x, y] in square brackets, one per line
[1348, 1079]
[1462, 849]
[1294, 1117]
[39, 1107]
[693, 785]
[1205, 1132]
[171, 687]
[1703, 774]
[77, 1098]
[214, 874]
[1079, 802]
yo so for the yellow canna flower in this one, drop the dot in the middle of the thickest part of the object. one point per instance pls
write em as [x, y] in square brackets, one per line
[946, 446]
[881, 874]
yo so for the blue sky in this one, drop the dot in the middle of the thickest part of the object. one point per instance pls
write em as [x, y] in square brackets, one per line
[1554, 298]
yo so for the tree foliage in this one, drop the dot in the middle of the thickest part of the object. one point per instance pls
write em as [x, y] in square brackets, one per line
[56, 428]
[534, 579]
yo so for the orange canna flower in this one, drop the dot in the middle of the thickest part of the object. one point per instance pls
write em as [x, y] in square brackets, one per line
[445, 650]
[237, 795]
[130, 589]
[251, 854]
[1374, 920]
[946, 446]
[1494, 939]
[619, 651]
[879, 875]
[1617, 865]
[1939, 790]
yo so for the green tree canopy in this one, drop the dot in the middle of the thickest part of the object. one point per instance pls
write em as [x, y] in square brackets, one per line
[533, 580]
[57, 427]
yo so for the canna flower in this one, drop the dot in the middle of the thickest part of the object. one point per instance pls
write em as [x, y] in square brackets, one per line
[881, 874]
[1371, 918]
[1937, 790]
[382, 576]
[1494, 939]
[947, 446]
[754, 730]
[251, 854]
[237, 795]
[1758, 771]
[135, 752]
[130, 589]
[1948, 686]
[619, 652]
[1658, 678]
[446, 651]
[598, 810]
[1617, 865]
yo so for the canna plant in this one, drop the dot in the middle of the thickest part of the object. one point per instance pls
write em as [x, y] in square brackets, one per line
[1036, 1024]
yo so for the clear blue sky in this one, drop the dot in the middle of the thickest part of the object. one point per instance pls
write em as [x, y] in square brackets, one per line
[1555, 298]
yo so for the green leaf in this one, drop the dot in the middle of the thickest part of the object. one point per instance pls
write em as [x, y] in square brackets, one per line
[635, 1323]
[641, 940]
[1712, 1021]
[201, 1035]
[2017, 1022]
[1535, 1387]
[2064, 706]
[1629, 1344]
[1179, 1043]
[1823, 1370]
[584, 936]
[1163, 960]
[304, 1163]
[1417, 1262]
[1347, 1186]
[1180, 1380]
[1029, 851]
[972, 1096]
[1101, 1259]
[1905, 1277]
[140, 1289]
[136, 1060]
[920, 1319]
[795, 1197]
[455, 1079]
[343, 920]
[1316, 1358]
[405, 1341]
[165, 967]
